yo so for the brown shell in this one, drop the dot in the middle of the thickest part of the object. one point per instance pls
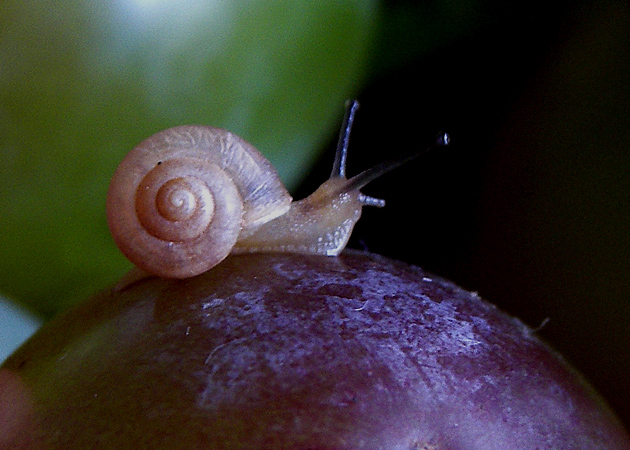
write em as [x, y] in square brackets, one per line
[179, 200]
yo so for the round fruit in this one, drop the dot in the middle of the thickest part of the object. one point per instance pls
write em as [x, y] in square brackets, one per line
[273, 351]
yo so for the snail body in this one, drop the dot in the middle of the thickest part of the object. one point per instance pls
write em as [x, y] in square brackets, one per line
[185, 198]
[320, 224]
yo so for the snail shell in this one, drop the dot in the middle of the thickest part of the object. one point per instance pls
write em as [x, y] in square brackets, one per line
[179, 200]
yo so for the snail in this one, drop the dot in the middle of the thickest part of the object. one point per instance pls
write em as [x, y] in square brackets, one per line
[187, 197]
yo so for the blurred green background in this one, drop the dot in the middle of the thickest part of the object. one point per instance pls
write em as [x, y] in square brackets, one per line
[529, 206]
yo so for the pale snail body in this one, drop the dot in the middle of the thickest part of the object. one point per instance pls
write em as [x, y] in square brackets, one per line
[185, 198]
[321, 224]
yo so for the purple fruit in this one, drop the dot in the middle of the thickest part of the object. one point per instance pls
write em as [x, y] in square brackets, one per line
[297, 352]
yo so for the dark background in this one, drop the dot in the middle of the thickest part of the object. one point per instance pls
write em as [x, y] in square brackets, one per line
[530, 205]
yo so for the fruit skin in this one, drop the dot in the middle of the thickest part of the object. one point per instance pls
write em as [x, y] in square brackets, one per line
[300, 352]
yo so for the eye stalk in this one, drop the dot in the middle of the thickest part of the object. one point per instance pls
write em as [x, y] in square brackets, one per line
[341, 156]
[355, 183]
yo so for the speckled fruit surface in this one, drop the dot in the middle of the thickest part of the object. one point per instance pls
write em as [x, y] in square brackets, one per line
[296, 352]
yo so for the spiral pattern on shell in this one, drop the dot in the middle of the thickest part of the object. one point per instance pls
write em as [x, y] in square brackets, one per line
[179, 200]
